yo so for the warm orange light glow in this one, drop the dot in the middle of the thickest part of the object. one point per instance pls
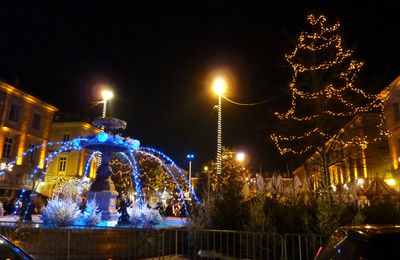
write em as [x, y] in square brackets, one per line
[81, 162]
[355, 171]
[220, 86]
[42, 156]
[391, 182]
[364, 162]
[30, 99]
[20, 150]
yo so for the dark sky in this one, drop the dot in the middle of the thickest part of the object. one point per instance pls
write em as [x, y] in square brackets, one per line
[157, 58]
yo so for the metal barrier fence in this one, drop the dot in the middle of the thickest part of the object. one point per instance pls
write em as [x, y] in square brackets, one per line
[301, 246]
[124, 243]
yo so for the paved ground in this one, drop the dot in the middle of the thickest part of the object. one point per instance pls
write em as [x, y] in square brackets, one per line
[169, 222]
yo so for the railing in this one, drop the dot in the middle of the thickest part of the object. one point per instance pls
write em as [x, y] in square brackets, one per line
[301, 246]
[125, 243]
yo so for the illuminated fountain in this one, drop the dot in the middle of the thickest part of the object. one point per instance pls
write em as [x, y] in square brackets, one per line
[107, 144]
[103, 189]
[103, 146]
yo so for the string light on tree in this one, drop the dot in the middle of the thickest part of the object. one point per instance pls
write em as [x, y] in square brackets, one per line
[325, 95]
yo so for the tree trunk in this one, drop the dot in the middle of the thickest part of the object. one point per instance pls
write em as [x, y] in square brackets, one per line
[326, 181]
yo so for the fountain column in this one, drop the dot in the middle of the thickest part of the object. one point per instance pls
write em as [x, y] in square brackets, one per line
[103, 189]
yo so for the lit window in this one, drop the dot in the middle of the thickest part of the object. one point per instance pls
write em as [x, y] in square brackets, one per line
[37, 119]
[14, 113]
[7, 147]
[66, 137]
[62, 165]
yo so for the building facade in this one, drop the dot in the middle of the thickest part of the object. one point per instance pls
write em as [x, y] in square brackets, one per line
[25, 122]
[352, 163]
[69, 164]
[380, 159]
[391, 97]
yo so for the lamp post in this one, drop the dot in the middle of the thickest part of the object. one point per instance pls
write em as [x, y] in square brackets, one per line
[106, 94]
[190, 157]
[219, 87]
[208, 182]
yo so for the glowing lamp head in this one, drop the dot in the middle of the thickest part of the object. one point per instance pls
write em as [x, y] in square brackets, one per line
[190, 156]
[240, 157]
[360, 182]
[391, 182]
[102, 137]
[220, 86]
[107, 94]
[135, 144]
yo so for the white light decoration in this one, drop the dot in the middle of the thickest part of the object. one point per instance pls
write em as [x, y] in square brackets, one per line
[341, 91]
[240, 157]
[220, 86]
[107, 94]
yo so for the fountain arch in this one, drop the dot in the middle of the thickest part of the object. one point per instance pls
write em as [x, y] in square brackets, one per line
[105, 143]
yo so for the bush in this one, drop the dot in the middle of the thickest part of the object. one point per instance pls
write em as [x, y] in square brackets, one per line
[60, 212]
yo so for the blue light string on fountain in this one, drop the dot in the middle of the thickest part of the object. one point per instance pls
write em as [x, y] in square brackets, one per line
[54, 154]
[12, 163]
[30, 179]
[165, 157]
[136, 176]
[170, 173]
[88, 163]
[43, 173]
[87, 166]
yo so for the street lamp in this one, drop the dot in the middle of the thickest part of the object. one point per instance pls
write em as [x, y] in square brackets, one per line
[240, 157]
[219, 86]
[208, 182]
[106, 94]
[190, 158]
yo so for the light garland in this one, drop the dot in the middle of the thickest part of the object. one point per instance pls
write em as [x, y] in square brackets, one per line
[337, 91]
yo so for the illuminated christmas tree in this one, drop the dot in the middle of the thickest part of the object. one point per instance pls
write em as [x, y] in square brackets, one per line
[324, 96]
[152, 175]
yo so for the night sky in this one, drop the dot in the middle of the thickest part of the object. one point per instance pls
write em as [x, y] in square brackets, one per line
[157, 58]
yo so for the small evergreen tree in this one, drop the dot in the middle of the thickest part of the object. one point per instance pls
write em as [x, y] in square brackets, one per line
[226, 190]
[259, 220]
[327, 213]
[91, 215]
[60, 212]
[325, 97]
